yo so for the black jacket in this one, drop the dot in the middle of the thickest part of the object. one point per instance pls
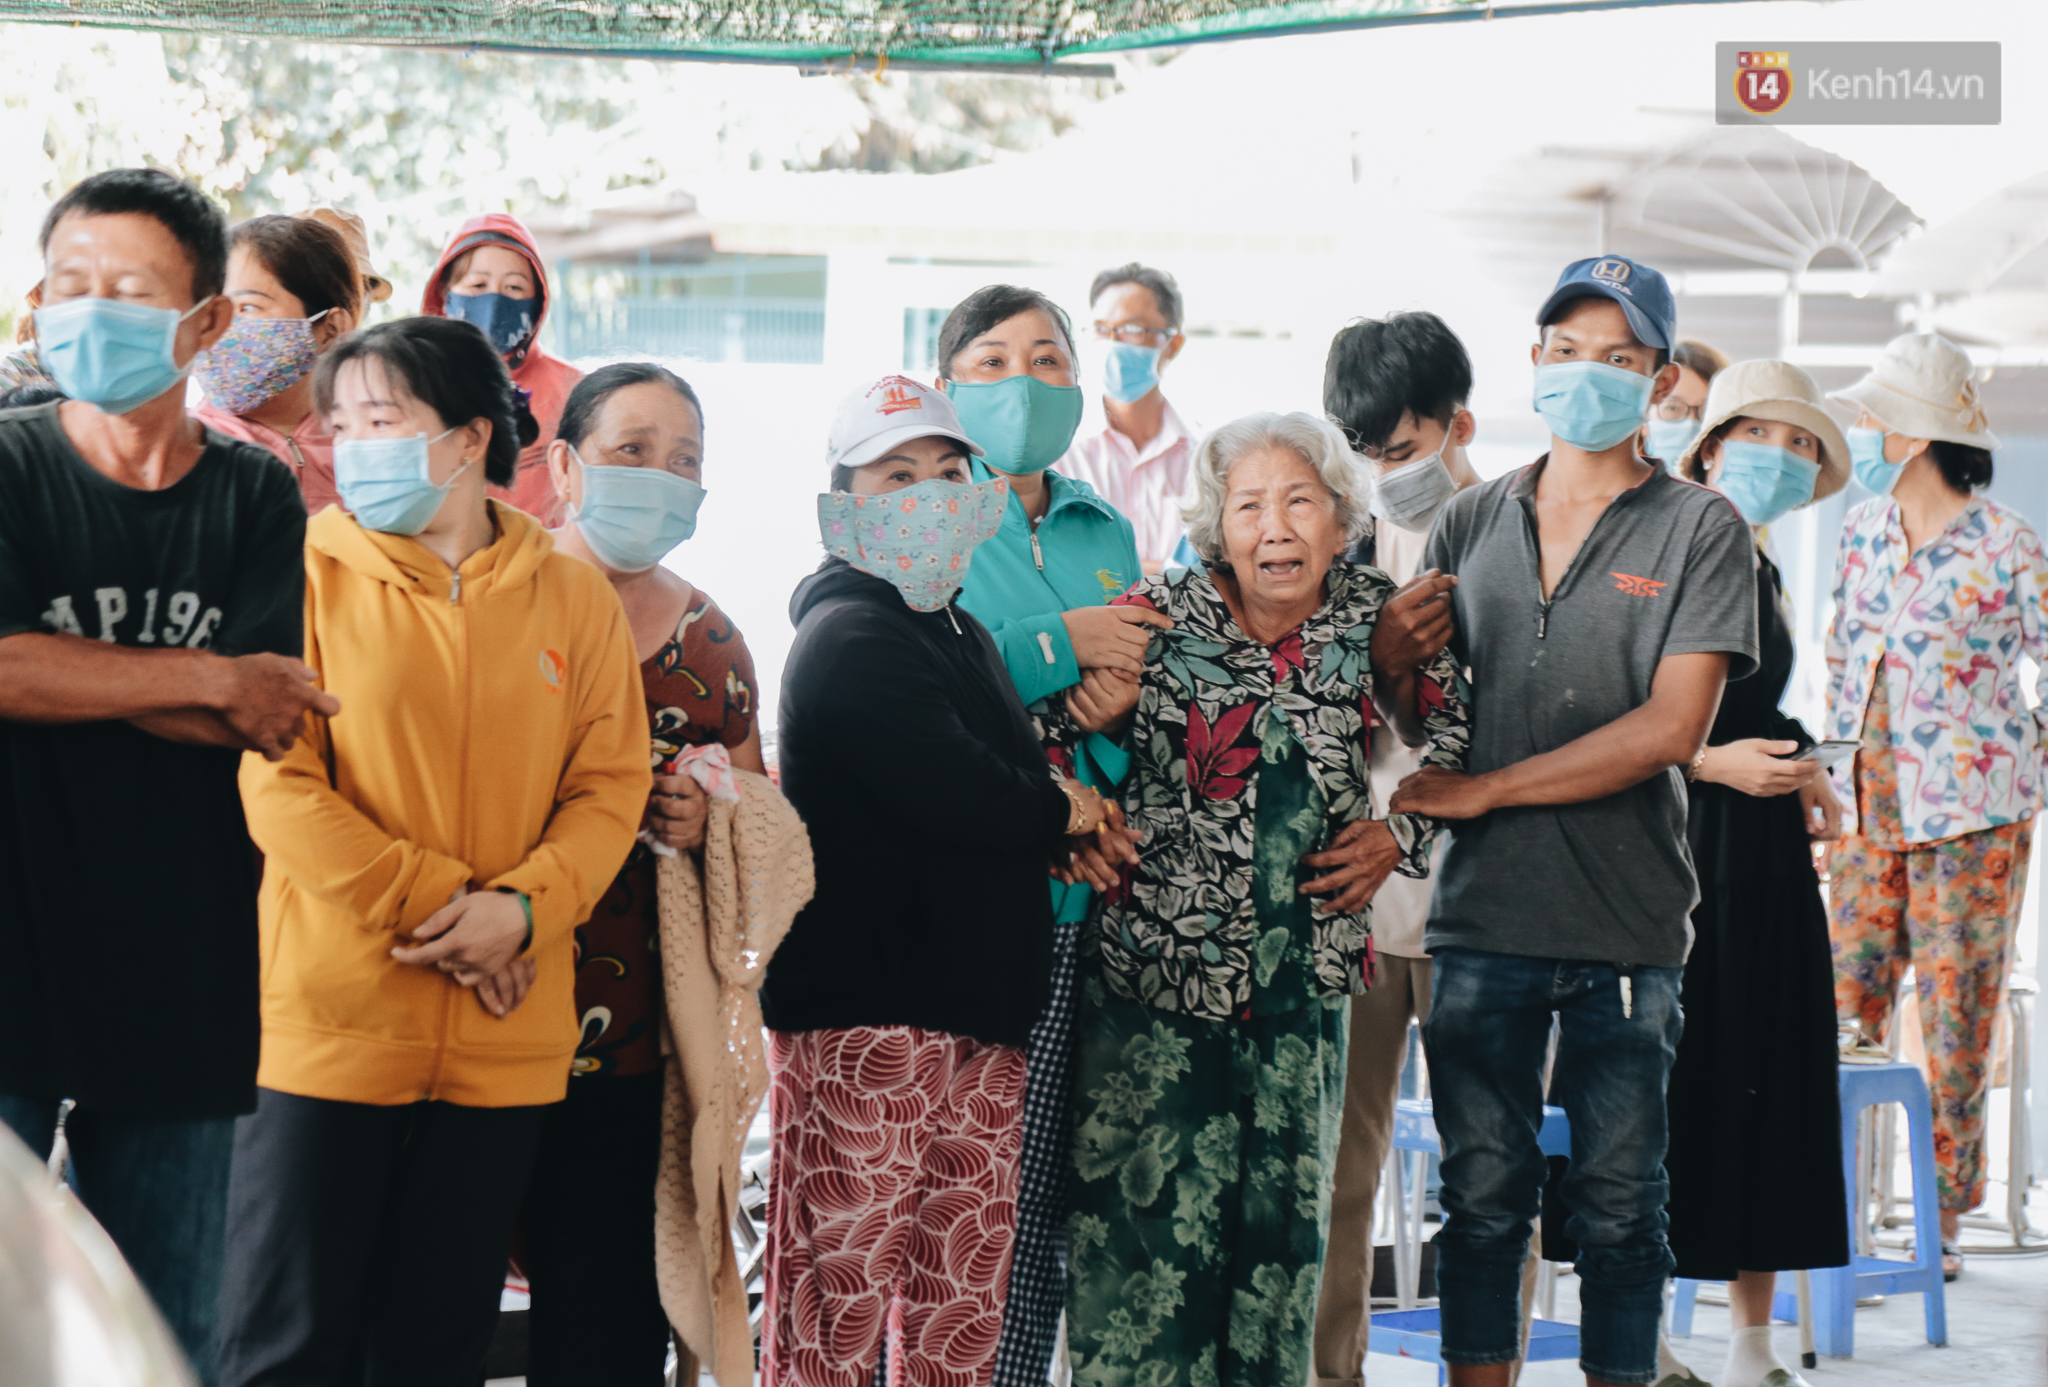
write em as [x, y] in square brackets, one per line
[932, 816]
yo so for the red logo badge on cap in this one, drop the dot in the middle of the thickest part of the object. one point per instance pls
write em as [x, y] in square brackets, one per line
[898, 394]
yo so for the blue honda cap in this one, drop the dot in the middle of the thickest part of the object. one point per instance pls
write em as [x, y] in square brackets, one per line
[1642, 293]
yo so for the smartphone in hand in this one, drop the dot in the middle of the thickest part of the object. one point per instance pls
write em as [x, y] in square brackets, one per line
[1828, 753]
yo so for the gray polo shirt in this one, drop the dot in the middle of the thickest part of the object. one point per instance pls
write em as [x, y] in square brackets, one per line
[1668, 569]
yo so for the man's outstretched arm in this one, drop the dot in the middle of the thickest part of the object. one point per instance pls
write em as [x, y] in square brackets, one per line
[1667, 731]
[253, 702]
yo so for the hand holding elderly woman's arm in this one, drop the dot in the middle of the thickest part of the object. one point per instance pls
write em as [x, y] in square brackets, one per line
[1412, 628]
[1666, 731]
[1113, 638]
[1103, 701]
[1098, 846]
[1362, 855]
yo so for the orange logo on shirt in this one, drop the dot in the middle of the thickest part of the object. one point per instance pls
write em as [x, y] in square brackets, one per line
[1636, 587]
[552, 668]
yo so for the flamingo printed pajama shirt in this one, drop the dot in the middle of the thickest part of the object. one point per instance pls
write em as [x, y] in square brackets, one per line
[1923, 658]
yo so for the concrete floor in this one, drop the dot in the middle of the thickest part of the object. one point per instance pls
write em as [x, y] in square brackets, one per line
[1997, 1325]
[1997, 1336]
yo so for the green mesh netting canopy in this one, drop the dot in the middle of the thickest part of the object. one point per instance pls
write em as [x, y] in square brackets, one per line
[1007, 35]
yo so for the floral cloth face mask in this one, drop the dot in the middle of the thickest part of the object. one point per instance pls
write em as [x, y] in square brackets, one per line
[920, 539]
[258, 359]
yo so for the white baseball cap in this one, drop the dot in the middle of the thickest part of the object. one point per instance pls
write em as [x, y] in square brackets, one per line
[876, 418]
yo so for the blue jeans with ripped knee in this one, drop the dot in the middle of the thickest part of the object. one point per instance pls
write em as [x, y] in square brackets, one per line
[1487, 1034]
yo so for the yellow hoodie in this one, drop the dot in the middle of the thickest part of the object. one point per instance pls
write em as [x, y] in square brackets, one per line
[492, 730]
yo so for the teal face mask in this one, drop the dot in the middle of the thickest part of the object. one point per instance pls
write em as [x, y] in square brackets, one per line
[1764, 481]
[1590, 404]
[384, 482]
[632, 516]
[1130, 372]
[1022, 424]
[118, 356]
[1669, 438]
[1867, 463]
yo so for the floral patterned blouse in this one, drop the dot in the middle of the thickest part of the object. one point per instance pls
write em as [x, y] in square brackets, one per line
[1947, 625]
[1182, 932]
[700, 690]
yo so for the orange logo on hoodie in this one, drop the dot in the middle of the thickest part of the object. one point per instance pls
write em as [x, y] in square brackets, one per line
[552, 668]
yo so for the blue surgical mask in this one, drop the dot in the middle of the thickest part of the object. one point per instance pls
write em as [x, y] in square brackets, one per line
[386, 485]
[508, 322]
[1867, 462]
[1590, 404]
[920, 539]
[1764, 481]
[1021, 423]
[1409, 496]
[118, 356]
[1130, 372]
[632, 516]
[1669, 438]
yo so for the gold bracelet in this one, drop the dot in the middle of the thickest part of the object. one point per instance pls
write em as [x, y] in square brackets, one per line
[1077, 820]
[1692, 772]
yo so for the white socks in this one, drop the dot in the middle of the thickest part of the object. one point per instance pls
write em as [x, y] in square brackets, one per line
[1750, 1359]
[1668, 1365]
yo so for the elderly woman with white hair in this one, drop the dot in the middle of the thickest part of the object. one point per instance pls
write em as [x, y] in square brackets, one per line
[1212, 1024]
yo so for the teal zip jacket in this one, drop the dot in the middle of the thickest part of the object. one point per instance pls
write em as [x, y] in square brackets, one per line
[1085, 555]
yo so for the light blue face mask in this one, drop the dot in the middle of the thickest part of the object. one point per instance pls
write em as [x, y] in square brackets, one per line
[1130, 372]
[1867, 462]
[1021, 423]
[632, 516]
[1764, 481]
[386, 485]
[1590, 404]
[1669, 438]
[118, 356]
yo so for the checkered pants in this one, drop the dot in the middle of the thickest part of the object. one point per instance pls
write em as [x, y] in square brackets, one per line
[1038, 1267]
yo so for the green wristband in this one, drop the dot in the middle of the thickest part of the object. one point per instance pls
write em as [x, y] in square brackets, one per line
[525, 904]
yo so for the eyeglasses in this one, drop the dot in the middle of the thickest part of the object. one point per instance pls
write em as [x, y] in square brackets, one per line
[1673, 411]
[1137, 334]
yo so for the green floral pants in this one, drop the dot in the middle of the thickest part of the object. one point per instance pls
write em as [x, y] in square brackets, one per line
[1202, 1193]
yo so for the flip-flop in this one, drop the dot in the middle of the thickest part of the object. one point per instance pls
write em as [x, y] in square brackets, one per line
[1948, 1250]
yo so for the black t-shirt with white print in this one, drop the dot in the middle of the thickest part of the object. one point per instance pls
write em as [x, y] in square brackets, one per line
[127, 879]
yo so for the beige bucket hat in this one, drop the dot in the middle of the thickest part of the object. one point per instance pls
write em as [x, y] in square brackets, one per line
[1923, 387]
[1779, 391]
[375, 287]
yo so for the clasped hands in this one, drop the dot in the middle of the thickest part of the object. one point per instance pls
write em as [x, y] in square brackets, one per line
[476, 940]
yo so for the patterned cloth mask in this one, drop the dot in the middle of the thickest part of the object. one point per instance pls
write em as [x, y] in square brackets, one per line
[920, 538]
[507, 321]
[257, 360]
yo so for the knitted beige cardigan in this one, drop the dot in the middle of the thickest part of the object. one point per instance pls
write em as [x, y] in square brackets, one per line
[720, 923]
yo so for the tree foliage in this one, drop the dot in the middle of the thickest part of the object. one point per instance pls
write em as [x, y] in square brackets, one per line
[414, 140]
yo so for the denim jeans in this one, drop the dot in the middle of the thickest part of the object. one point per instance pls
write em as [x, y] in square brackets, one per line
[1487, 1034]
[159, 1186]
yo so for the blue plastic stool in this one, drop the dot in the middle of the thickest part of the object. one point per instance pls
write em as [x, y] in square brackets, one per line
[1418, 1334]
[1835, 1289]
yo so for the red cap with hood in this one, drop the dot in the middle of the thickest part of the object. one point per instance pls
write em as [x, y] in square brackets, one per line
[546, 379]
